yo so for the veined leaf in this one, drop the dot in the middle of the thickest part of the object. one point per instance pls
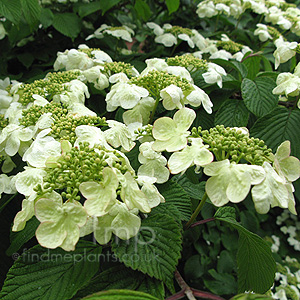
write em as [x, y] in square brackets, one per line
[106, 5]
[142, 9]
[256, 265]
[46, 274]
[10, 9]
[32, 12]
[120, 295]
[18, 239]
[178, 202]
[232, 113]
[122, 277]
[155, 250]
[172, 5]
[258, 96]
[278, 126]
[67, 23]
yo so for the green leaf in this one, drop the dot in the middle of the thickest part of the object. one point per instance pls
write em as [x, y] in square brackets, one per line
[46, 17]
[222, 283]
[155, 250]
[121, 277]
[10, 9]
[172, 5]
[251, 297]
[42, 273]
[253, 66]
[26, 59]
[67, 23]
[233, 65]
[120, 295]
[106, 5]
[85, 9]
[18, 239]
[232, 113]
[256, 265]
[258, 96]
[278, 126]
[194, 190]
[143, 9]
[32, 11]
[178, 202]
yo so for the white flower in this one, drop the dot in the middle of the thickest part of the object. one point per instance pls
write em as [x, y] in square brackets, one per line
[230, 181]
[180, 71]
[262, 32]
[42, 147]
[123, 32]
[2, 31]
[119, 135]
[284, 52]
[150, 190]
[273, 191]
[167, 39]
[95, 76]
[14, 137]
[206, 9]
[140, 113]
[223, 54]
[153, 163]
[7, 185]
[121, 221]
[172, 96]
[26, 181]
[100, 196]
[171, 134]
[196, 154]
[125, 95]
[288, 166]
[60, 222]
[214, 74]
[92, 135]
[287, 84]
[197, 97]
[132, 196]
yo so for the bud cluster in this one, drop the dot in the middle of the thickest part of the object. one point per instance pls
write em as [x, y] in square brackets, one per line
[88, 51]
[273, 32]
[155, 81]
[230, 46]
[233, 144]
[3, 122]
[48, 87]
[80, 164]
[115, 67]
[176, 30]
[189, 61]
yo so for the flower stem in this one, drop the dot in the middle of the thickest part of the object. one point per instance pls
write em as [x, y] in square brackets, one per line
[196, 212]
[154, 109]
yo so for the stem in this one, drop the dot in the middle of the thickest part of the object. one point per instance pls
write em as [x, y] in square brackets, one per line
[205, 295]
[185, 288]
[196, 212]
[202, 222]
[178, 295]
[154, 109]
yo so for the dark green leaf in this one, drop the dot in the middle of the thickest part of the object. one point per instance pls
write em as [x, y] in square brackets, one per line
[253, 66]
[142, 9]
[86, 9]
[152, 286]
[256, 266]
[46, 17]
[46, 274]
[178, 202]
[10, 9]
[172, 5]
[18, 239]
[232, 113]
[106, 5]
[251, 297]
[67, 23]
[155, 250]
[120, 295]
[32, 12]
[194, 190]
[26, 59]
[278, 126]
[222, 284]
[258, 96]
